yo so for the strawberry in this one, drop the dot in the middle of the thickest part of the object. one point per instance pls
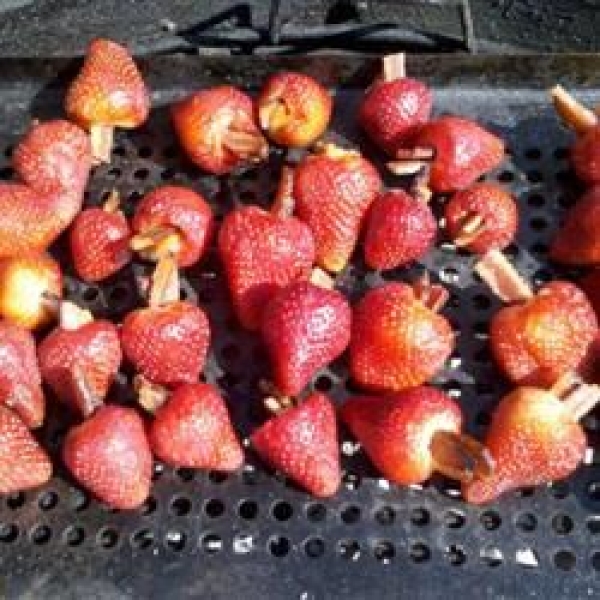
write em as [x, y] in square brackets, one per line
[538, 340]
[80, 343]
[294, 110]
[29, 288]
[333, 191]
[481, 218]
[304, 327]
[20, 379]
[400, 229]
[398, 339]
[534, 438]
[463, 151]
[99, 239]
[172, 219]
[302, 443]
[109, 455]
[394, 107]
[411, 434]
[108, 92]
[590, 284]
[23, 463]
[585, 156]
[577, 242]
[168, 341]
[191, 428]
[216, 128]
[262, 252]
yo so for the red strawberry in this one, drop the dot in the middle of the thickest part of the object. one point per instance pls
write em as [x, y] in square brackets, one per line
[463, 151]
[23, 463]
[108, 92]
[534, 438]
[302, 443]
[216, 129]
[577, 242]
[172, 219]
[109, 455]
[400, 229]
[263, 252]
[168, 341]
[192, 428]
[294, 109]
[413, 433]
[304, 327]
[30, 285]
[80, 343]
[20, 379]
[398, 339]
[394, 107]
[538, 340]
[99, 240]
[483, 217]
[333, 191]
[585, 156]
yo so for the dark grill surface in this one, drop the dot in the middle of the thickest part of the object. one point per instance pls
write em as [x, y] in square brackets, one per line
[253, 534]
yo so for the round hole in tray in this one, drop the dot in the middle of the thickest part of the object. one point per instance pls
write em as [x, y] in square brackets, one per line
[419, 552]
[490, 520]
[79, 500]
[349, 549]
[149, 506]
[314, 547]
[278, 546]
[145, 152]
[316, 512]
[595, 560]
[481, 302]
[351, 481]
[6, 173]
[211, 543]
[40, 534]
[250, 475]
[248, 509]
[593, 490]
[142, 539]
[456, 555]
[535, 176]
[323, 383]
[506, 176]
[48, 500]
[350, 514]
[282, 511]
[15, 501]
[181, 506]
[175, 540]
[454, 519]
[538, 223]
[562, 524]
[9, 532]
[593, 525]
[536, 200]
[185, 474]
[385, 515]
[214, 508]
[384, 551]
[107, 537]
[119, 296]
[565, 560]
[533, 154]
[141, 174]
[167, 174]
[560, 489]
[566, 176]
[217, 477]
[90, 295]
[73, 535]
[561, 153]
[420, 516]
[526, 522]
[566, 201]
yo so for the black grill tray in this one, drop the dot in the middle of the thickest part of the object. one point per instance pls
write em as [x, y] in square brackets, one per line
[252, 534]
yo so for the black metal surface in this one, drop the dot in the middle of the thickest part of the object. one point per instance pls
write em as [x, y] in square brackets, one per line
[253, 534]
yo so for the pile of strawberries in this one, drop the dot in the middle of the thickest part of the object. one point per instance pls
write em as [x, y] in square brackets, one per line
[279, 265]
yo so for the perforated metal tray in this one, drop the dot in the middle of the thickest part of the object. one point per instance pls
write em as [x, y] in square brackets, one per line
[253, 534]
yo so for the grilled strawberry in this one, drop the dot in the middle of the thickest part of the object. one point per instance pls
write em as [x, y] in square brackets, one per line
[577, 242]
[400, 229]
[411, 434]
[168, 341]
[537, 341]
[304, 327]
[534, 438]
[109, 455]
[333, 191]
[263, 252]
[29, 287]
[462, 152]
[294, 109]
[394, 107]
[398, 339]
[108, 92]
[191, 427]
[23, 463]
[81, 343]
[216, 129]
[20, 379]
[172, 220]
[302, 443]
[481, 218]
[99, 240]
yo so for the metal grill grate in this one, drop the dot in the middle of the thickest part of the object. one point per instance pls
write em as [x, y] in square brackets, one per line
[253, 533]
